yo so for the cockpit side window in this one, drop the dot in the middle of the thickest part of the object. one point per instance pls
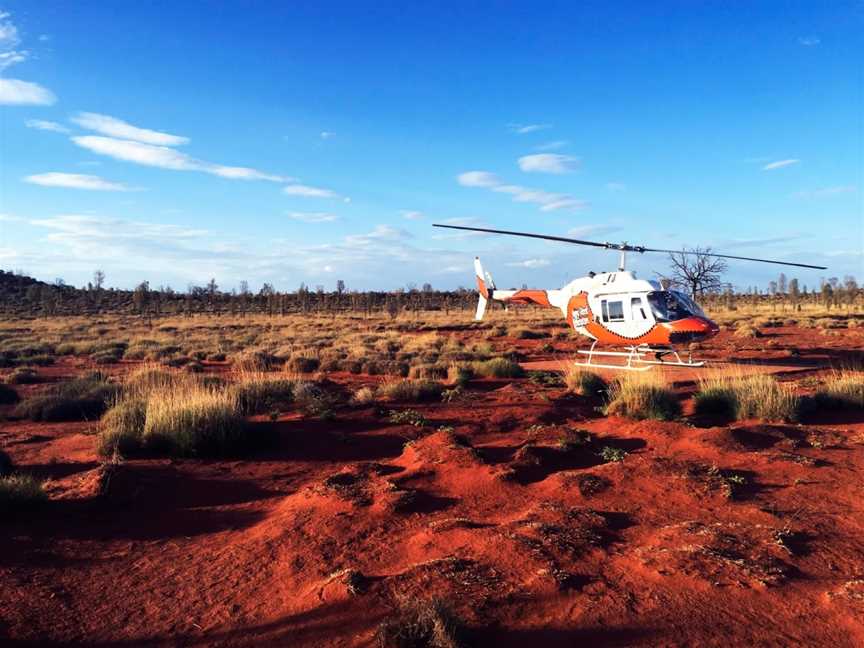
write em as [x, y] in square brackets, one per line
[637, 309]
[668, 307]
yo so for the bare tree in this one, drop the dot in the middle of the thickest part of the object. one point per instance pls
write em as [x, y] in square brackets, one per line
[98, 280]
[697, 269]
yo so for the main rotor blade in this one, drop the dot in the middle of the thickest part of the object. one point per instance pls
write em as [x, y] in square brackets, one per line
[538, 236]
[623, 246]
[742, 258]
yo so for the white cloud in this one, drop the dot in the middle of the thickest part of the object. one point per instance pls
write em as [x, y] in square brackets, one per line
[552, 146]
[531, 264]
[780, 164]
[166, 158]
[478, 179]
[522, 129]
[9, 41]
[313, 217]
[548, 163]
[549, 201]
[76, 181]
[809, 41]
[827, 191]
[325, 135]
[41, 124]
[9, 218]
[380, 233]
[412, 215]
[114, 127]
[306, 191]
[14, 92]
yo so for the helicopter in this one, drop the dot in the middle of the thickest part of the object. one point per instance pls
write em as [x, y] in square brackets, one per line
[647, 319]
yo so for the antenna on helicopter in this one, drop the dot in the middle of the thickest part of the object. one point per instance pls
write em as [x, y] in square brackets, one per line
[623, 248]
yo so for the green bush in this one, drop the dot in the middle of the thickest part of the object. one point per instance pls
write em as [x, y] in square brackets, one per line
[716, 401]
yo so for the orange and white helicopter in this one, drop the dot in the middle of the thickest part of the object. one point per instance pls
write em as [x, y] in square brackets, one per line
[615, 308]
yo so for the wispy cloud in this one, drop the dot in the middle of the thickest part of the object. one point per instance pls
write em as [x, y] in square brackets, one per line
[530, 264]
[827, 191]
[41, 124]
[113, 127]
[548, 163]
[14, 92]
[305, 191]
[616, 186]
[548, 201]
[779, 164]
[552, 146]
[325, 135]
[412, 215]
[313, 217]
[523, 129]
[166, 158]
[809, 41]
[76, 181]
[9, 218]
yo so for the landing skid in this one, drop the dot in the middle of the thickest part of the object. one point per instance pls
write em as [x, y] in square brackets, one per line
[636, 360]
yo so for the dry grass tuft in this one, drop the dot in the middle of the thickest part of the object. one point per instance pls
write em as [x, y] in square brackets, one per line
[739, 396]
[582, 382]
[411, 391]
[429, 624]
[842, 389]
[20, 493]
[643, 396]
[498, 368]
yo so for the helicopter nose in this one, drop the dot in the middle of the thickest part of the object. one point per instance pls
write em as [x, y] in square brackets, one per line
[692, 329]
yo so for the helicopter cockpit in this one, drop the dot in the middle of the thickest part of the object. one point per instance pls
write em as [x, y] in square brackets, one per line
[671, 305]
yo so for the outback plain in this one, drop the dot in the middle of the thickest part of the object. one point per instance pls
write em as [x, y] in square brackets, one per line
[419, 479]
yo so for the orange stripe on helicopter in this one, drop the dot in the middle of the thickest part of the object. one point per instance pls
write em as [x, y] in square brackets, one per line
[481, 286]
[659, 334]
[538, 297]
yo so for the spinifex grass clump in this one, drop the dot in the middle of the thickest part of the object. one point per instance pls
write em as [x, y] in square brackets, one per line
[498, 368]
[643, 396]
[739, 396]
[82, 398]
[258, 392]
[195, 421]
[584, 383]
[411, 390]
[432, 624]
[842, 389]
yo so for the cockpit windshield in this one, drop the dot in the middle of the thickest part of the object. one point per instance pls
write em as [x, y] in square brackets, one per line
[671, 305]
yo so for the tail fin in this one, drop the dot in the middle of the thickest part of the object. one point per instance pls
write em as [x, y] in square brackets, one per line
[484, 289]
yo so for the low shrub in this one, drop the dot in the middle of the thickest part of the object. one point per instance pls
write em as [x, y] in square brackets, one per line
[314, 400]
[82, 398]
[746, 331]
[459, 375]
[529, 334]
[21, 493]
[411, 390]
[641, 396]
[364, 396]
[498, 368]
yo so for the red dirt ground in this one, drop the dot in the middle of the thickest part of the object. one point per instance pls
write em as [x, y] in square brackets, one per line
[531, 543]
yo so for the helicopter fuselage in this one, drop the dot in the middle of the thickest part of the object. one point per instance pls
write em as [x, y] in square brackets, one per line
[617, 308]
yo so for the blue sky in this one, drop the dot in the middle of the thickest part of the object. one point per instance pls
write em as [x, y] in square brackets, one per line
[314, 141]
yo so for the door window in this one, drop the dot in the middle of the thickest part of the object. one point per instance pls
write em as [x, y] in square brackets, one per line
[637, 309]
[613, 311]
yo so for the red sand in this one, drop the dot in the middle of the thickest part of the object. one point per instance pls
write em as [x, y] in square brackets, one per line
[532, 544]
